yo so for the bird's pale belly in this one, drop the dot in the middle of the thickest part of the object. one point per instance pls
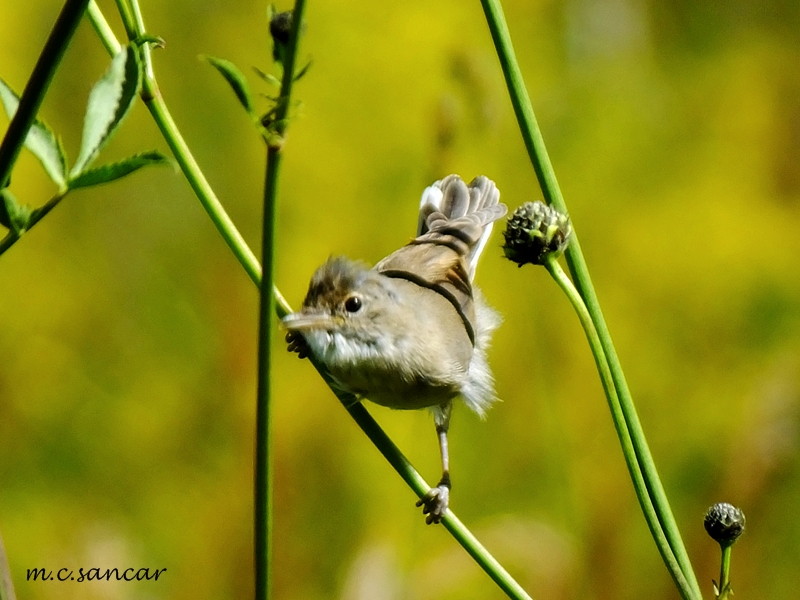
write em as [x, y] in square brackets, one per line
[394, 389]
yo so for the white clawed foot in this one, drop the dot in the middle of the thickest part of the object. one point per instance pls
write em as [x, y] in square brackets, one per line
[435, 502]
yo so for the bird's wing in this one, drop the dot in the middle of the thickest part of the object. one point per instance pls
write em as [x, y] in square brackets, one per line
[436, 264]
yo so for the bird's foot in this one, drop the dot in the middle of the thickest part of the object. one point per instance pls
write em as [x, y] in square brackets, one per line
[435, 503]
[297, 343]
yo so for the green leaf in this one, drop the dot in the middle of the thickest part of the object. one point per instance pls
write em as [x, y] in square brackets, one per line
[40, 140]
[235, 79]
[115, 170]
[6, 199]
[154, 40]
[270, 79]
[12, 215]
[110, 100]
[303, 71]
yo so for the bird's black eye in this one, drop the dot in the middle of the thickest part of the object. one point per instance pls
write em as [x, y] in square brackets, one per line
[352, 304]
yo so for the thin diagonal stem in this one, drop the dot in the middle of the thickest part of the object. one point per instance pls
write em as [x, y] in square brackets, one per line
[202, 189]
[180, 149]
[415, 481]
[37, 85]
[539, 157]
[38, 214]
[102, 28]
[9, 240]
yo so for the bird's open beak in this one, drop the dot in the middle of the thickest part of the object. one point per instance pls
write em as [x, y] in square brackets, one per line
[301, 321]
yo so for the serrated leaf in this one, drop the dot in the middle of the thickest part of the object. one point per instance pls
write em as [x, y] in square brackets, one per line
[115, 170]
[13, 215]
[109, 102]
[40, 140]
[235, 79]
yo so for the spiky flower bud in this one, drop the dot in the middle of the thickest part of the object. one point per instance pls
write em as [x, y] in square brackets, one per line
[724, 523]
[534, 231]
[280, 25]
[280, 28]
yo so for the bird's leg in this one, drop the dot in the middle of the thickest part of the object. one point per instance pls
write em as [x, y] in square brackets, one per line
[436, 500]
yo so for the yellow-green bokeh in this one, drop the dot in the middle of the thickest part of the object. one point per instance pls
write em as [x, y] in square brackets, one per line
[127, 329]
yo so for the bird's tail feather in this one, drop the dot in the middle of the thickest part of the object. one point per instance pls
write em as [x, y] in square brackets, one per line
[451, 208]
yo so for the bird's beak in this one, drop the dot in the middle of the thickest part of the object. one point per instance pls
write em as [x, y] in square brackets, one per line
[301, 321]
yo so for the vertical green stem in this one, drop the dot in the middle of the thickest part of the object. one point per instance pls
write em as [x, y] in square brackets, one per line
[40, 79]
[263, 458]
[537, 152]
[264, 466]
[724, 573]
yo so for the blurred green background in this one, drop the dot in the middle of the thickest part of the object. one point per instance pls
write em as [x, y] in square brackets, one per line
[128, 331]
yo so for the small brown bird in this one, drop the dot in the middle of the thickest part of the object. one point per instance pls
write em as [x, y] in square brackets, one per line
[411, 332]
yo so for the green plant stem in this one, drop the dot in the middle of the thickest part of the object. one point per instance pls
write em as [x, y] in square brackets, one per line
[523, 109]
[550, 189]
[9, 240]
[639, 485]
[363, 419]
[6, 585]
[102, 28]
[180, 149]
[184, 157]
[37, 85]
[139, 29]
[724, 574]
[264, 460]
[31, 101]
[202, 189]
[36, 216]
[415, 481]
[128, 21]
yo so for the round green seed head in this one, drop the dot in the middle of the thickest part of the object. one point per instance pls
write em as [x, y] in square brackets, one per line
[534, 231]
